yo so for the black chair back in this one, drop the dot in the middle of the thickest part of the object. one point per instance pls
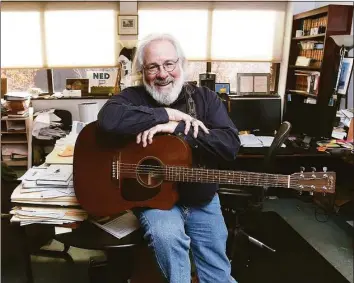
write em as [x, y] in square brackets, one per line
[66, 118]
[280, 137]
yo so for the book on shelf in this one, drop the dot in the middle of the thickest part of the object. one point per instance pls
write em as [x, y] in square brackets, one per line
[18, 114]
[14, 152]
[307, 81]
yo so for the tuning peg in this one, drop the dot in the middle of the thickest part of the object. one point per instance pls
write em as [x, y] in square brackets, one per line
[300, 193]
[311, 193]
[302, 169]
[313, 169]
[324, 169]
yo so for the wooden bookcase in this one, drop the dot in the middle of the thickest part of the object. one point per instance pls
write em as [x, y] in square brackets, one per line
[21, 136]
[304, 103]
[330, 20]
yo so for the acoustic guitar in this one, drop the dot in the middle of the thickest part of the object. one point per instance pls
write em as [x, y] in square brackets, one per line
[109, 180]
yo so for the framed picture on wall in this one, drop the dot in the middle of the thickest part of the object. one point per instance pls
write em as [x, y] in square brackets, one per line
[253, 83]
[345, 74]
[78, 84]
[127, 24]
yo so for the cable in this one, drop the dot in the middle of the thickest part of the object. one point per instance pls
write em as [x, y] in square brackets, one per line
[317, 213]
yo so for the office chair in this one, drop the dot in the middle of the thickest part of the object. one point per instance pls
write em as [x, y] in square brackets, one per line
[39, 145]
[237, 201]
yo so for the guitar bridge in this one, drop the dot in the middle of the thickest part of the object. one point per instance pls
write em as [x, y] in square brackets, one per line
[115, 169]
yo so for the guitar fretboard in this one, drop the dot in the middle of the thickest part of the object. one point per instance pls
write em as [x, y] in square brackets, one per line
[201, 175]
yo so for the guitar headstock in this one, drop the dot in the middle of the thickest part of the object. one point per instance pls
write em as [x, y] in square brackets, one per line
[318, 182]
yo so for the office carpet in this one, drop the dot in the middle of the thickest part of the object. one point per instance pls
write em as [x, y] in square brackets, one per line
[294, 261]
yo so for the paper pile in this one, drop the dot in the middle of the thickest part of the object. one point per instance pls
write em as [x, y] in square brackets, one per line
[119, 226]
[50, 189]
[47, 215]
[50, 185]
[250, 140]
[46, 125]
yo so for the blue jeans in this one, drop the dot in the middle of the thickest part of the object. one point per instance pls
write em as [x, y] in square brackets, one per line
[172, 233]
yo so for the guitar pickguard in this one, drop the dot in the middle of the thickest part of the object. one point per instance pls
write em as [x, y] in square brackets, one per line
[133, 191]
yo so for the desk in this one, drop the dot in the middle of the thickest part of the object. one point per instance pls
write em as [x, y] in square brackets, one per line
[289, 151]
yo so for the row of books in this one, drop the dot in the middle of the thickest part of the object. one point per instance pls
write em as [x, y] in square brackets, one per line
[319, 23]
[316, 55]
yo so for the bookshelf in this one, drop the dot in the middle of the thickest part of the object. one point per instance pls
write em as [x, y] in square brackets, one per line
[314, 42]
[308, 103]
[17, 132]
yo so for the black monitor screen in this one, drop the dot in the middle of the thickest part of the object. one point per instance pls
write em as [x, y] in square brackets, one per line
[310, 119]
[260, 115]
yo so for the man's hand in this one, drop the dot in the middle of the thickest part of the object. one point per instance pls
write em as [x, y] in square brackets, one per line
[146, 136]
[176, 115]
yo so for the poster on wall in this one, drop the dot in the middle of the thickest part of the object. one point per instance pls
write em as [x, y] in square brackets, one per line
[102, 80]
[345, 73]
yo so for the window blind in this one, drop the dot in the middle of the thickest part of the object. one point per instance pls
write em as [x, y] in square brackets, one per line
[60, 34]
[227, 31]
[189, 26]
[21, 36]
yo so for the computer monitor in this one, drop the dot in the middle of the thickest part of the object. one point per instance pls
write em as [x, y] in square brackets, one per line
[310, 120]
[261, 116]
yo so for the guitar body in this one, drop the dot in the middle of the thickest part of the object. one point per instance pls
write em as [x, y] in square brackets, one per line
[109, 180]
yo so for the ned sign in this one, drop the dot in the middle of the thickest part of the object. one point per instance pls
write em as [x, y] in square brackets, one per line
[102, 78]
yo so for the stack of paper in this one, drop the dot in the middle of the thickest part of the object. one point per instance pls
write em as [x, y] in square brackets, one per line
[120, 225]
[47, 215]
[250, 140]
[50, 185]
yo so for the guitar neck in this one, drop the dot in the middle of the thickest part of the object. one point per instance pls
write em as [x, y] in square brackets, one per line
[201, 175]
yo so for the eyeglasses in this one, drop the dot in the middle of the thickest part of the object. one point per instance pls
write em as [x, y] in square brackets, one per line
[168, 66]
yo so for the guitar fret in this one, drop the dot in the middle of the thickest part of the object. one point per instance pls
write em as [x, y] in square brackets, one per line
[201, 175]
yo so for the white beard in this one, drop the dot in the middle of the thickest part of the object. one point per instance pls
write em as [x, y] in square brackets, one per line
[166, 97]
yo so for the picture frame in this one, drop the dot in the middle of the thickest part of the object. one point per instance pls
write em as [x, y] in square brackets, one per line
[78, 84]
[222, 88]
[345, 75]
[127, 24]
[253, 83]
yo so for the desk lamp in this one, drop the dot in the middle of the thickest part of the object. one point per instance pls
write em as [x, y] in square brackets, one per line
[346, 43]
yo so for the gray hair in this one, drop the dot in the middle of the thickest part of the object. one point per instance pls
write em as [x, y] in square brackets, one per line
[139, 55]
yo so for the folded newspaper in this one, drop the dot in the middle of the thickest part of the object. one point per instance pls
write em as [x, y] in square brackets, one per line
[118, 226]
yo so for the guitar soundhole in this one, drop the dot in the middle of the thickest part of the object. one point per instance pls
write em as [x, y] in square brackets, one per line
[149, 176]
[150, 173]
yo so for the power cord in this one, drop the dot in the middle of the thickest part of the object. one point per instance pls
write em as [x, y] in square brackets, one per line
[317, 213]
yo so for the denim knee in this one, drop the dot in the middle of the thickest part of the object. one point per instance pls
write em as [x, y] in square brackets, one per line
[163, 230]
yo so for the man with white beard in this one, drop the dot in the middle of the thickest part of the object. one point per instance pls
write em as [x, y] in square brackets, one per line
[166, 104]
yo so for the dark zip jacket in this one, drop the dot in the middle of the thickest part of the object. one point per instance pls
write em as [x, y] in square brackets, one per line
[134, 111]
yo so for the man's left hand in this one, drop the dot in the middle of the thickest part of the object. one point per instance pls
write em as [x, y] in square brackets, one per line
[146, 136]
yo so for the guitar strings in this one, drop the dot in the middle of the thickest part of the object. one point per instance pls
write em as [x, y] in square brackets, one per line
[223, 175]
[190, 174]
[132, 168]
